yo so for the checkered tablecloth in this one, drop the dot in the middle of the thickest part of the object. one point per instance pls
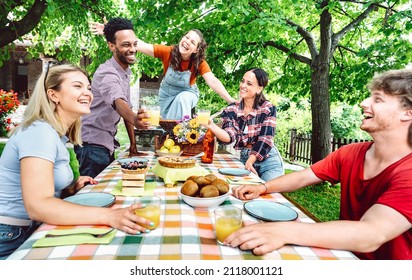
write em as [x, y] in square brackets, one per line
[184, 233]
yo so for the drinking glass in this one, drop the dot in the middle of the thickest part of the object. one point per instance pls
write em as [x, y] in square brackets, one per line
[228, 219]
[151, 211]
[203, 116]
[154, 112]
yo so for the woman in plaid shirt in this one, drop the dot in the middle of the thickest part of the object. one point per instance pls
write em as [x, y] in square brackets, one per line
[250, 124]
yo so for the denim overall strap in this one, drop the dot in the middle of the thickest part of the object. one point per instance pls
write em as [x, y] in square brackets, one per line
[176, 96]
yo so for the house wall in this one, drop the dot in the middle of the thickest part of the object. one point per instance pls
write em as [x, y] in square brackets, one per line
[21, 77]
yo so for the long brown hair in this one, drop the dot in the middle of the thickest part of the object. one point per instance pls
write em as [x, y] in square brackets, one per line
[195, 58]
[262, 79]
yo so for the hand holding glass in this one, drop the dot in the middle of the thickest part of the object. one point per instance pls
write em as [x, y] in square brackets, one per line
[154, 115]
[228, 219]
[151, 211]
[203, 116]
[154, 112]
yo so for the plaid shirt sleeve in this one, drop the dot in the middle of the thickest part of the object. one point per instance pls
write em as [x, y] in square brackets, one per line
[260, 124]
[262, 130]
[230, 122]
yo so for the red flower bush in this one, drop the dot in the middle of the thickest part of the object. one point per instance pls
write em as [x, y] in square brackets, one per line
[8, 105]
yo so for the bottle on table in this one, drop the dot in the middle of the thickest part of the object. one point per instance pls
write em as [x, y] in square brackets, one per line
[208, 147]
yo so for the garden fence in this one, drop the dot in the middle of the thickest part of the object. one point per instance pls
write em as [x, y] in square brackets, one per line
[298, 147]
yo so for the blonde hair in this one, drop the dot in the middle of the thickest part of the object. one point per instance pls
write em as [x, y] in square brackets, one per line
[40, 107]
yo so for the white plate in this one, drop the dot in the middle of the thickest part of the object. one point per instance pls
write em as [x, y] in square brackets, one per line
[234, 171]
[92, 199]
[270, 211]
[132, 159]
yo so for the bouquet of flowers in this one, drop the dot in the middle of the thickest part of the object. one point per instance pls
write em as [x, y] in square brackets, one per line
[188, 130]
[8, 104]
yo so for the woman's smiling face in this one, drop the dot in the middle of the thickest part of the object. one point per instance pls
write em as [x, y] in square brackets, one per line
[189, 44]
[249, 86]
[74, 97]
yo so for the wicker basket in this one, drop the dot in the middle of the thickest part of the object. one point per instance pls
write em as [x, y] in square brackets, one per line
[168, 125]
[187, 148]
[136, 171]
[191, 149]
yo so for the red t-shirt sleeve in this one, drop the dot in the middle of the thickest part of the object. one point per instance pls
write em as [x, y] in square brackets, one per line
[328, 168]
[399, 193]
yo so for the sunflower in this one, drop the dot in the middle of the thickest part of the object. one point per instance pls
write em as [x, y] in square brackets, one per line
[193, 123]
[192, 136]
[189, 131]
[177, 129]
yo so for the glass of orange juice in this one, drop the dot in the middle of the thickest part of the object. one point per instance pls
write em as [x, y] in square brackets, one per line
[146, 108]
[203, 116]
[154, 113]
[228, 219]
[151, 211]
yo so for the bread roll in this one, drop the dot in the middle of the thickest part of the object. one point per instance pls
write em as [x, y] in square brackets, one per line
[211, 177]
[202, 181]
[221, 185]
[209, 191]
[189, 188]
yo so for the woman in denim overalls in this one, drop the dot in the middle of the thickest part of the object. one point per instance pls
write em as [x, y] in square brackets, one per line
[176, 96]
[178, 92]
[182, 63]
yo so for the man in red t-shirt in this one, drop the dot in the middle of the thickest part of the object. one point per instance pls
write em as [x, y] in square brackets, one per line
[376, 185]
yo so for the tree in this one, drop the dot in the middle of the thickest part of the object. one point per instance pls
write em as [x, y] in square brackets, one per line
[14, 29]
[323, 50]
[52, 26]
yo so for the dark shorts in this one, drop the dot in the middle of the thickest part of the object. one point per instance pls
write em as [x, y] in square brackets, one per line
[92, 159]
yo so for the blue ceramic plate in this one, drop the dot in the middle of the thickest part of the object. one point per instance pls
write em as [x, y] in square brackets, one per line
[92, 199]
[234, 171]
[270, 211]
[132, 159]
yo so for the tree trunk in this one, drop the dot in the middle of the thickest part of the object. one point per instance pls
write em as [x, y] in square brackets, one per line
[16, 29]
[321, 127]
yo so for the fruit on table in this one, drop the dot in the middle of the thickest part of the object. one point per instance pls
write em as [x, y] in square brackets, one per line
[169, 143]
[163, 149]
[134, 165]
[174, 149]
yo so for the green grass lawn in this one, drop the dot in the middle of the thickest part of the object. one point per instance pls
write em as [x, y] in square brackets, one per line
[321, 201]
